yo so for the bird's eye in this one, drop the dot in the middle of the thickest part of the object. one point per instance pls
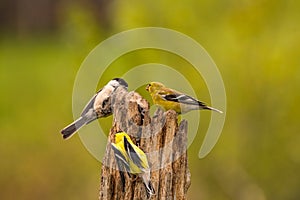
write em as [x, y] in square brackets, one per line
[147, 88]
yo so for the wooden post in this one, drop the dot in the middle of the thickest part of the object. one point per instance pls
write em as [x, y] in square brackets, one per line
[160, 137]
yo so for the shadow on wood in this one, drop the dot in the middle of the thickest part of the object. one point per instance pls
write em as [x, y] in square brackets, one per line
[160, 137]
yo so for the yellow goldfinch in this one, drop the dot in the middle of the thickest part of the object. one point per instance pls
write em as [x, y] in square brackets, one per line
[98, 106]
[133, 160]
[171, 99]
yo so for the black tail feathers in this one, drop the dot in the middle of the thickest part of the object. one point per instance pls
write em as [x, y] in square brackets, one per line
[72, 128]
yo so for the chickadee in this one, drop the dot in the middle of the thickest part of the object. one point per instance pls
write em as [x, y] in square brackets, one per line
[99, 106]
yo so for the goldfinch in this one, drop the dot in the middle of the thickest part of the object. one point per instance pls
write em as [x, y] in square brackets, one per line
[98, 106]
[172, 99]
[131, 159]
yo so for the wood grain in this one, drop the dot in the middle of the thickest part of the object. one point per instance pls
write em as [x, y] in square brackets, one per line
[160, 137]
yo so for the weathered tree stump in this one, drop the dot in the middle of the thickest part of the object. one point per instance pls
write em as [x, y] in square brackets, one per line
[160, 137]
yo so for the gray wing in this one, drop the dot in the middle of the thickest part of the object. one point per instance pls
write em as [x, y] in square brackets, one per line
[121, 159]
[123, 166]
[90, 104]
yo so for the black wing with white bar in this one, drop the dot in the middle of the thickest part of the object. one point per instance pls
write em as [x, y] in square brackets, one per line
[182, 98]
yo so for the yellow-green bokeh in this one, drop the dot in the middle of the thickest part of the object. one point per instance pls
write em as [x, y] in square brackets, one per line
[255, 44]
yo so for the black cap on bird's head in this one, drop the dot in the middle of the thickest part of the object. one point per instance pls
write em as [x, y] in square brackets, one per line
[121, 82]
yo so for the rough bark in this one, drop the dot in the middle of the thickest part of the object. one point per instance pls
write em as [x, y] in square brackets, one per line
[160, 137]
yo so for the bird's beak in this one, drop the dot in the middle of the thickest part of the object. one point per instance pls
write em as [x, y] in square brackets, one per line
[147, 87]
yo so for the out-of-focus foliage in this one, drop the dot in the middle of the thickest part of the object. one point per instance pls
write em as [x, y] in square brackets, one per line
[256, 47]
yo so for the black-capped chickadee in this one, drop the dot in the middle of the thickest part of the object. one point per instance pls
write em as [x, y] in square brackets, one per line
[99, 106]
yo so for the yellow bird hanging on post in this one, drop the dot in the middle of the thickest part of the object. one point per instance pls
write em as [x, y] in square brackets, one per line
[133, 160]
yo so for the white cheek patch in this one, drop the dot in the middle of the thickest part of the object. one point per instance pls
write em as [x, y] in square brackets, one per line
[104, 94]
[113, 83]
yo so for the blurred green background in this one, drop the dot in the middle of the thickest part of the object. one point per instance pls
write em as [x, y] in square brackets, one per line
[255, 44]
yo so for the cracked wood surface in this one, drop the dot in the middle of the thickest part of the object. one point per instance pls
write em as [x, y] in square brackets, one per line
[160, 137]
